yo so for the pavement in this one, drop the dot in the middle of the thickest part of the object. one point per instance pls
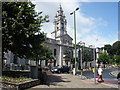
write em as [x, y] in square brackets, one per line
[109, 82]
[72, 81]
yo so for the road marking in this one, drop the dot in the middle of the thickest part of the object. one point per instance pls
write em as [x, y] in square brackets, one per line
[112, 75]
[55, 74]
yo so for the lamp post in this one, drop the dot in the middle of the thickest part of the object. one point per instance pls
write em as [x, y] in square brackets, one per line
[94, 65]
[75, 36]
[82, 44]
[94, 60]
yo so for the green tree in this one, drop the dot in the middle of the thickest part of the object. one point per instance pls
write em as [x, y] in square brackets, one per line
[103, 58]
[21, 27]
[109, 49]
[73, 61]
[117, 59]
[87, 56]
[46, 54]
[116, 47]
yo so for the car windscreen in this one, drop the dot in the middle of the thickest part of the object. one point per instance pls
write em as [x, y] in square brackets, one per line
[57, 67]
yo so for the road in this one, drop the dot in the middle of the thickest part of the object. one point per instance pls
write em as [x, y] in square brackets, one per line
[108, 78]
[106, 73]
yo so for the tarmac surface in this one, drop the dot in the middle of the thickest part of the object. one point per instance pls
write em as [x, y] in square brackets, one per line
[72, 81]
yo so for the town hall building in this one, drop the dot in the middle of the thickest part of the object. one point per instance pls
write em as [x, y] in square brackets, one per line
[61, 43]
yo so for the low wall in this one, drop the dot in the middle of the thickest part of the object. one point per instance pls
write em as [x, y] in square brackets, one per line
[20, 86]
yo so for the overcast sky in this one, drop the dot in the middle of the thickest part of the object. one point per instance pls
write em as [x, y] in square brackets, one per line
[97, 22]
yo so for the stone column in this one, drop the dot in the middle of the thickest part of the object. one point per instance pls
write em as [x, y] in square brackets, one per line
[97, 56]
[60, 56]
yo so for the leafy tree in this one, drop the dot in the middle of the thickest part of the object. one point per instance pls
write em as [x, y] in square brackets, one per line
[46, 54]
[117, 59]
[111, 61]
[87, 56]
[109, 49]
[73, 61]
[113, 51]
[103, 58]
[21, 27]
[116, 47]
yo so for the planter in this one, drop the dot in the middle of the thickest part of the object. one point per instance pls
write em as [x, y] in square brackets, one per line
[22, 85]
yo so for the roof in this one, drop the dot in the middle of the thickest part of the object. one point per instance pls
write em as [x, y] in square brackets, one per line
[65, 35]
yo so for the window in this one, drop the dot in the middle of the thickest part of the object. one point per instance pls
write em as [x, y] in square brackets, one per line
[54, 52]
[62, 27]
[15, 59]
[68, 42]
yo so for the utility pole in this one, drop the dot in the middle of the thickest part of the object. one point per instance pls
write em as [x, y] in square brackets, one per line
[94, 65]
[82, 45]
[75, 37]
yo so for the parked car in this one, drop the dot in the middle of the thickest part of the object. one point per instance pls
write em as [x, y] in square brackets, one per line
[60, 69]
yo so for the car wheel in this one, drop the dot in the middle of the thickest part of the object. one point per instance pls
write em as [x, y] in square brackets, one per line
[59, 71]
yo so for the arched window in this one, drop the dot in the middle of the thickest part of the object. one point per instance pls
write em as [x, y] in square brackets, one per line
[68, 42]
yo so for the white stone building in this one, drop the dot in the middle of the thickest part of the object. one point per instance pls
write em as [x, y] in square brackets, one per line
[61, 41]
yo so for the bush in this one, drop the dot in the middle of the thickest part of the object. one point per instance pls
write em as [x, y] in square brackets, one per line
[14, 80]
[16, 74]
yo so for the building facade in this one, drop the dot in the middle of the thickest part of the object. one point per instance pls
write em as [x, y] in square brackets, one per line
[61, 43]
